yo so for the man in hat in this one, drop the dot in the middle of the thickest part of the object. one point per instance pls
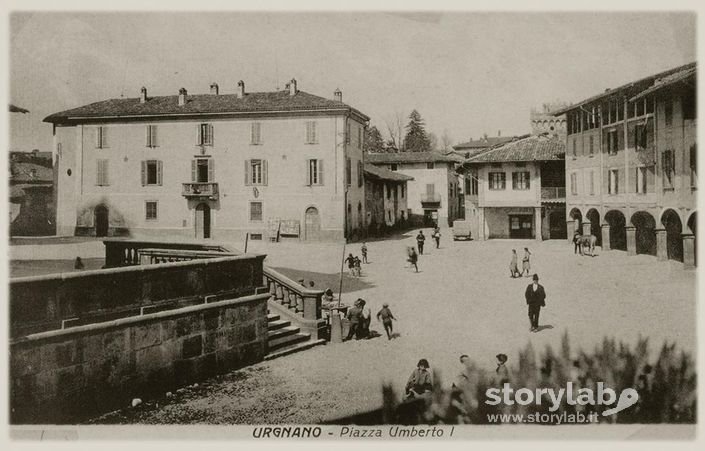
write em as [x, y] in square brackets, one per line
[535, 299]
[385, 315]
[420, 238]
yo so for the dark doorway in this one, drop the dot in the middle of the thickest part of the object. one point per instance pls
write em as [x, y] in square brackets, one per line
[102, 220]
[521, 226]
[674, 242]
[312, 224]
[203, 221]
[594, 217]
[618, 231]
[556, 225]
[645, 233]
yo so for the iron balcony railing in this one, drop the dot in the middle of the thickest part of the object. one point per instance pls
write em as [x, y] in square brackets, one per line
[199, 189]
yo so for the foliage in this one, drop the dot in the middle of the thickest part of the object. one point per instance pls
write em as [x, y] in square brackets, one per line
[374, 143]
[416, 139]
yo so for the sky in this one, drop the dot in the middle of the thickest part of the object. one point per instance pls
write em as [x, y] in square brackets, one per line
[466, 73]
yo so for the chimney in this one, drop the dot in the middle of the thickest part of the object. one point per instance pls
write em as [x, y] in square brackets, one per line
[214, 88]
[143, 95]
[292, 87]
[182, 96]
[240, 89]
[338, 95]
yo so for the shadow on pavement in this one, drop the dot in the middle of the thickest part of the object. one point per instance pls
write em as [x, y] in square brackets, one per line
[323, 281]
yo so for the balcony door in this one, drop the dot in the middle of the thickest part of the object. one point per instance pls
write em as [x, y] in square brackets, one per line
[203, 221]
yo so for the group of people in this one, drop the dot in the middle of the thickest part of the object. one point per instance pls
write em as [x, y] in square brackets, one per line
[413, 255]
[525, 264]
[360, 317]
[355, 263]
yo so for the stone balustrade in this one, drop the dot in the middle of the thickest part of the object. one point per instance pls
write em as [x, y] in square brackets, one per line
[120, 252]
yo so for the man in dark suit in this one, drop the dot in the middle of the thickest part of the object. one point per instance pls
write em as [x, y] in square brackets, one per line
[535, 299]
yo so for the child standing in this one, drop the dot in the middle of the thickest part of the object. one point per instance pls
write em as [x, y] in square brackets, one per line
[385, 315]
[364, 253]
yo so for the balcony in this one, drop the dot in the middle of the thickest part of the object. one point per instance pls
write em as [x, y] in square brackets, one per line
[430, 200]
[553, 193]
[208, 190]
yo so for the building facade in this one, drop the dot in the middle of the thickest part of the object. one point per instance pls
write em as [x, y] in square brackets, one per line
[434, 193]
[284, 164]
[517, 189]
[544, 121]
[631, 166]
[386, 195]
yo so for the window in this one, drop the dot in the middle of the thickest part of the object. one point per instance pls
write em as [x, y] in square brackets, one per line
[256, 211]
[314, 172]
[613, 187]
[204, 135]
[693, 167]
[668, 112]
[347, 133]
[102, 173]
[574, 184]
[430, 165]
[575, 147]
[668, 163]
[592, 145]
[473, 185]
[403, 190]
[360, 175]
[58, 150]
[641, 180]
[202, 170]
[497, 180]
[311, 137]
[393, 167]
[348, 172]
[256, 172]
[521, 180]
[592, 183]
[150, 208]
[151, 136]
[389, 192]
[612, 142]
[688, 106]
[256, 133]
[151, 172]
[101, 137]
[640, 136]
[430, 191]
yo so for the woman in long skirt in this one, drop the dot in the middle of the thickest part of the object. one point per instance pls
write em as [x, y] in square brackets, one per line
[514, 265]
[526, 263]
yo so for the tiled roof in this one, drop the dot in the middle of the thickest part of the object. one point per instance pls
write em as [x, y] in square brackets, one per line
[384, 174]
[483, 143]
[669, 80]
[17, 109]
[640, 85]
[22, 172]
[407, 157]
[202, 104]
[532, 148]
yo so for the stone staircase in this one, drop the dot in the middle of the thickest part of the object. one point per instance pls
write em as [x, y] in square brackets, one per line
[285, 338]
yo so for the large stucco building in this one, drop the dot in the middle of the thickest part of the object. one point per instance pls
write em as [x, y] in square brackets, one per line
[282, 163]
[631, 168]
[434, 193]
[517, 189]
[386, 194]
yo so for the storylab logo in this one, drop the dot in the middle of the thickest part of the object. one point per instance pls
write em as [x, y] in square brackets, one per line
[603, 396]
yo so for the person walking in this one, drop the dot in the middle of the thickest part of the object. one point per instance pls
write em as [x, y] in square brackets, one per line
[385, 315]
[350, 260]
[363, 249]
[420, 238]
[420, 380]
[526, 263]
[358, 268]
[413, 258]
[514, 265]
[437, 236]
[354, 316]
[535, 298]
[576, 243]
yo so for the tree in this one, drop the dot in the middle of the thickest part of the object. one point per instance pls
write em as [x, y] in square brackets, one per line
[374, 143]
[416, 139]
[395, 129]
[446, 141]
[433, 141]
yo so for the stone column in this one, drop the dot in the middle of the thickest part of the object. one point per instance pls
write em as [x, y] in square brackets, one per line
[605, 237]
[586, 227]
[661, 245]
[481, 224]
[689, 250]
[570, 229]
[631, 240]
[537, 223]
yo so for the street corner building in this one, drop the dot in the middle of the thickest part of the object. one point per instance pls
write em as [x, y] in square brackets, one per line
[269, 164]
[516, 189]
[631, 166]
[434, 194]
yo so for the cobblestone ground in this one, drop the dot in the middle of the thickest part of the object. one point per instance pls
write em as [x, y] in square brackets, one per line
[461, 302]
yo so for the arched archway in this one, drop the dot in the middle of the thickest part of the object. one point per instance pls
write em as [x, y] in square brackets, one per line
[618, 231]
[203, 221]
[693, 227]
[556, 224]
[674, 242]
[576, 216]
[101, 220]
[312, 224]
[594, 217]
[645, 232]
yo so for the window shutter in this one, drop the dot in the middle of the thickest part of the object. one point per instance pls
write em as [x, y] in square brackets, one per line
[144, 173]
[155, 141]
[97, 138]
[264, 172]
[104, 137]
[211, 170]
[106, 177]
[620, 138]
[148, 136]
[199, 138]
[98, 172]
[159, 172]
[320, 172]
[210, 134]
[194, 171]
[252, 134]
[248, 177]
